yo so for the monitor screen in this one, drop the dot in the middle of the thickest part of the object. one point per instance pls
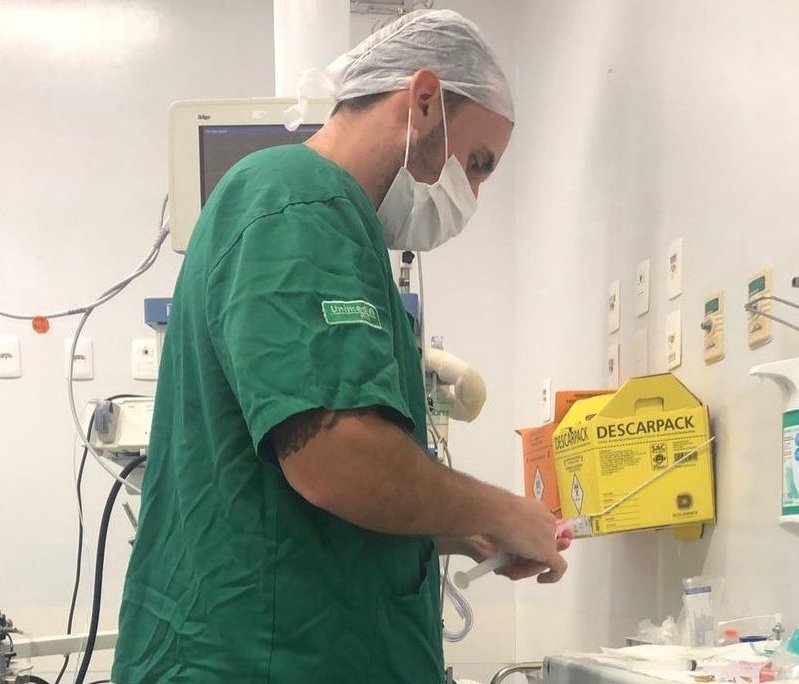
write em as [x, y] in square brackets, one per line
[222, 146]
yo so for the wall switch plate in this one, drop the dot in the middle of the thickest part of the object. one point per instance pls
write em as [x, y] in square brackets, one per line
[674, 340]
[759, 327]
[641, 352]
[642, 288]
[713, 327]
[613, 365]
[10, 365]
[614, 308]
[546, 400]
[83, 361]
[674, 270]
[144, 359]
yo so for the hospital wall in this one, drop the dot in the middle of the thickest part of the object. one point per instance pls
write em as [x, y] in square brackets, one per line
[83, 173]
[639, 123]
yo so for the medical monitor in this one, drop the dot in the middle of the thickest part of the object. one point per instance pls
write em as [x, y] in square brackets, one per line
[207, 137]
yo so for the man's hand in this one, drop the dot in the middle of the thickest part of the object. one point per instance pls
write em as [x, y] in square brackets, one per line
[479, 548]
[528, 531]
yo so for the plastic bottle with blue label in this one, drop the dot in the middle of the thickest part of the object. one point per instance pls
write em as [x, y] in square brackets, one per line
[786, 375]
[700, 620]
[786, 659]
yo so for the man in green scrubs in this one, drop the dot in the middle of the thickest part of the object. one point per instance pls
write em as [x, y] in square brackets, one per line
[291, 518]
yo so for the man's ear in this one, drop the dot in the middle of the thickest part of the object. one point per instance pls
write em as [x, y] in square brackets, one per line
[425, 103]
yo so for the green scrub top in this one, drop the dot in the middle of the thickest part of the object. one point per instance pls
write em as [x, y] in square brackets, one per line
[285, 303]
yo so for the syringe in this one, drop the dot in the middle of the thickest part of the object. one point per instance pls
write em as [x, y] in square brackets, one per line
[463, 579]
[579, 526]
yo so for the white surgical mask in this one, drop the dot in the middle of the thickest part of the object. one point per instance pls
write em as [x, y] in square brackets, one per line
[418, 216]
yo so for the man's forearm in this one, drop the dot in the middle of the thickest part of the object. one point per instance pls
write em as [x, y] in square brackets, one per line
[369, 472]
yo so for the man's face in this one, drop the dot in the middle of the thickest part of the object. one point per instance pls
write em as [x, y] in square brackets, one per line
[477, 137]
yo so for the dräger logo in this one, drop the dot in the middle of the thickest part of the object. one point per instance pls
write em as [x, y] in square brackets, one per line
[645, 427]
[571, 437]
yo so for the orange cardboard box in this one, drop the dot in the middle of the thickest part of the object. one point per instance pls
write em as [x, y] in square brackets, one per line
[540, 478]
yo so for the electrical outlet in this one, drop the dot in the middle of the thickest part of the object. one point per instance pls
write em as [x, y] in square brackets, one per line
[642, 288]
[82, 361]
[674, 270]
[10, 366]
[614, 308]
[713, 327]
[613, 365]
[674, 340]
[759, 327]
[144, 360]
[641, 352]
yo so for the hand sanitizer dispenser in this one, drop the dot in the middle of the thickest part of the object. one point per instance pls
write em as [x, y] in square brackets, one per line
[786, 375]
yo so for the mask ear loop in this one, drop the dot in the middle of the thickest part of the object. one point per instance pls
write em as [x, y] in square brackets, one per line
[407, 139]
[444, 117]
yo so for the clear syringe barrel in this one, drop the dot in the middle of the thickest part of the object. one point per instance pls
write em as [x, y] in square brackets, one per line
[463, 579]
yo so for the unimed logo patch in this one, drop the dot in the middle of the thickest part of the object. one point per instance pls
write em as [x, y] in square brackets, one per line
[351, 313]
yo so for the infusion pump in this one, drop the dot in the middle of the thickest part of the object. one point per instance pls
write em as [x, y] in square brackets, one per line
[121, 430]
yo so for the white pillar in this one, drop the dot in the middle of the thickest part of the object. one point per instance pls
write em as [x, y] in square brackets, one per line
[308, 34]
